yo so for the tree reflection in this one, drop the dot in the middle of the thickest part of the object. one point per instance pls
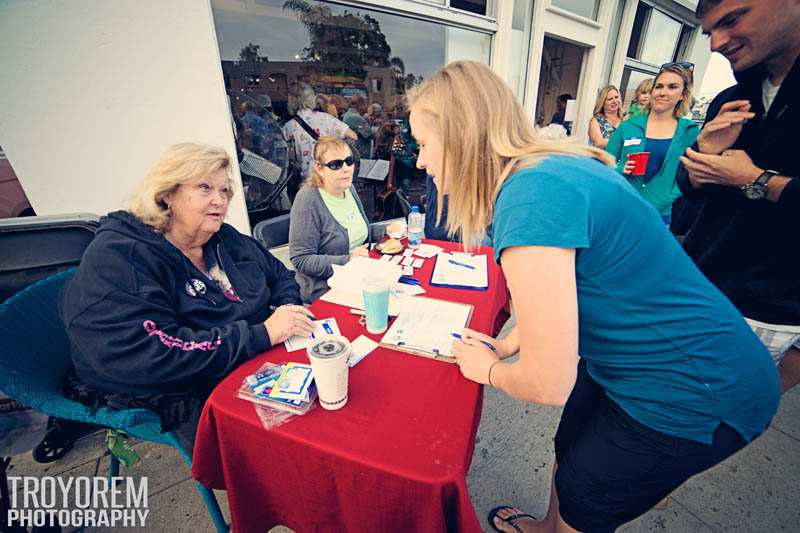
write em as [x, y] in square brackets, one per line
[341, 43]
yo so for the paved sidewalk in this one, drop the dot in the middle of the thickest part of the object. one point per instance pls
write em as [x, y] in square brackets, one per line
[757, 490]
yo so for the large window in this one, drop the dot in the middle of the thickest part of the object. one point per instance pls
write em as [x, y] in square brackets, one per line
[661, 39]
[520, 40]
[341, 52]
[584, 8]
[657, 38]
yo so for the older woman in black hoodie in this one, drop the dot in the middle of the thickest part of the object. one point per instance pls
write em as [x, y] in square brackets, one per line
[168, 299]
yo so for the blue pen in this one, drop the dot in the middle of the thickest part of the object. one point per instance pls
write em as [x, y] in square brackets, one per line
[487, 344]
[408, 280]
[454, 262]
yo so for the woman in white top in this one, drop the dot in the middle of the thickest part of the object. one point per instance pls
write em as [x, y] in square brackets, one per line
[301, 102]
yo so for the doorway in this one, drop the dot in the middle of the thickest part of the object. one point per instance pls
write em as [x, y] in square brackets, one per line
[560, 75]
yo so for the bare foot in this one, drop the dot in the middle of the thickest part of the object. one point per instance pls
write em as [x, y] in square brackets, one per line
[513, 520]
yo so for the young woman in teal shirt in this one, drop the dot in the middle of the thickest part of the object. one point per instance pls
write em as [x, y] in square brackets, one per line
[661, 376]
[664, 133]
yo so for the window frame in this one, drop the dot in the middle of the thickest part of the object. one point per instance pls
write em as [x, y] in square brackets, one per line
[680, 50]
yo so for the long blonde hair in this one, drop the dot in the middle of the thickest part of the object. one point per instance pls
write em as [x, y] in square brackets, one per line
[601, 101]
[486, 136]
[179, 164]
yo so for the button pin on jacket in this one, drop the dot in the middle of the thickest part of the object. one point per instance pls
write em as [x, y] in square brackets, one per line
[194, 287]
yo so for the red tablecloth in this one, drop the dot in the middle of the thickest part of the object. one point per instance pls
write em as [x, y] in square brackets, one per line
[395, 458]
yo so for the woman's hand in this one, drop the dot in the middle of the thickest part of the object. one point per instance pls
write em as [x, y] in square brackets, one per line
[360, 251]
[288, 320]
[474, 359]
[630, 164]
[500, 345]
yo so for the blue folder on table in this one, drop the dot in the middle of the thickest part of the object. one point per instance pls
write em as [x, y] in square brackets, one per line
[457, 270]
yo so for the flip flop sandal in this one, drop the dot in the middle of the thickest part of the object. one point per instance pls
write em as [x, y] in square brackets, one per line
[509, 519]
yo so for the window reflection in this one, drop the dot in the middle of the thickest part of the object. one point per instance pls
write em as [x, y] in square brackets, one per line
[344, 54]
[584, 8]
[630, 81]
[661, 38]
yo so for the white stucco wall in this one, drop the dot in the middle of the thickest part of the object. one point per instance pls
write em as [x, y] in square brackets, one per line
[93, 91]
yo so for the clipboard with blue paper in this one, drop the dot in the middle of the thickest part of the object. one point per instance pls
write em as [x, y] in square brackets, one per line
[456, 270]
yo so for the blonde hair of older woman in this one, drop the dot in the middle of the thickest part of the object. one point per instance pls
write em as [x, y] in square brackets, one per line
[486, 136]
[179, 164]
[601, 101]
[685, 103]
[324, 146]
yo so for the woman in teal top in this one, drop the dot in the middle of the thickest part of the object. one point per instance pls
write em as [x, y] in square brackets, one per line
[328, 224]
[664, 133]
[661, 376]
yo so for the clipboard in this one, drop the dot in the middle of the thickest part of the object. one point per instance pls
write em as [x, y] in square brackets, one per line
[445, 274]
[414, 332]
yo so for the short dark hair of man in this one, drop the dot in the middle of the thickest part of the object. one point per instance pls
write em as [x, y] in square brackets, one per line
[704, 6]
[564, 98]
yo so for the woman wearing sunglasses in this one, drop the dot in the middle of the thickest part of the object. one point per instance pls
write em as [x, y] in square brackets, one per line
[663, 133]
[328, 224]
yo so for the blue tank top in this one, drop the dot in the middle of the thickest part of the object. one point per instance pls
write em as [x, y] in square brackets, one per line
[658, 152]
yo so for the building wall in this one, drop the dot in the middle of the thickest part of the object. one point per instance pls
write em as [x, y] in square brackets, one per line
[98, 89]
[94, 91]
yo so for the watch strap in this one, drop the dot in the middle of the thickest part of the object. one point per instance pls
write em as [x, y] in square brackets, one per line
[766, 176]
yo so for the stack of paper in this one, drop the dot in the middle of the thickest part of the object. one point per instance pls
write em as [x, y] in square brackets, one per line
[348, 280]
[350, 277]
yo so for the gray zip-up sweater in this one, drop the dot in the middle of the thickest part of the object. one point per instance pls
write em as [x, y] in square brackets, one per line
[317, 241]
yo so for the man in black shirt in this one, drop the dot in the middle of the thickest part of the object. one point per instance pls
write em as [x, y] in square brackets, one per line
[746, 170]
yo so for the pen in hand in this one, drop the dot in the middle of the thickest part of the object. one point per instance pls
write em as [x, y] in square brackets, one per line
[487, 344]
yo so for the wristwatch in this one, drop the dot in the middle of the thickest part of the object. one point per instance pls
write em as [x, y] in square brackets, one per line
[758, 189]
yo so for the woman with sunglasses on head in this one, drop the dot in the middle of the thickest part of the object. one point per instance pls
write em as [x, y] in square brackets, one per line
[328, 224]
[662, 132]
[661, 376]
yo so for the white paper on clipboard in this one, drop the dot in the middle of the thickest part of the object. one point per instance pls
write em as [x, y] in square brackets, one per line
[427, 326]
[461, 270]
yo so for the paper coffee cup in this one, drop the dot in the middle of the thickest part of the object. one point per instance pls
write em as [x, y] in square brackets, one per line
[328, 356]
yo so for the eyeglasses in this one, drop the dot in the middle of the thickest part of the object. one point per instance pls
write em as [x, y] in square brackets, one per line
[683, 64]
[336, 164]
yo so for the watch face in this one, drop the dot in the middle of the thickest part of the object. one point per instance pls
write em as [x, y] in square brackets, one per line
[754, 191]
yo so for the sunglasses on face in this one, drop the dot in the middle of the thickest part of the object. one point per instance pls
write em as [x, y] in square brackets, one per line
[336, 164]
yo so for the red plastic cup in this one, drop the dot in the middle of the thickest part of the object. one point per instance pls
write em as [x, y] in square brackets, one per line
[640, 163]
